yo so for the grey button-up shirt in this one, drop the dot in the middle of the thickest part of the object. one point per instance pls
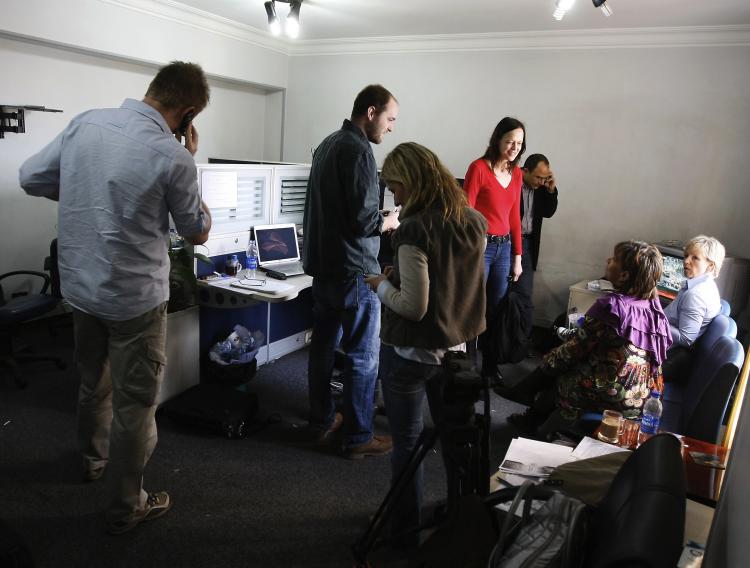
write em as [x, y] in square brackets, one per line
[117, 174]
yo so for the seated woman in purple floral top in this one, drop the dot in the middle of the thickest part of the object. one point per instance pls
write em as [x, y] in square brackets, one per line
[614, 359]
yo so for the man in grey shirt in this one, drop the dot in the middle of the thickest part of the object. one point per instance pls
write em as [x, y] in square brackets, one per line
[342, 226]
[117, 175]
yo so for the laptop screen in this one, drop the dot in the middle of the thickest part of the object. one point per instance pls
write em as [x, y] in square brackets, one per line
[277, 243]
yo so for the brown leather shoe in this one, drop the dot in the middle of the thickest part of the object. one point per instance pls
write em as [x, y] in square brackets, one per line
[325, 435]
[377, 446]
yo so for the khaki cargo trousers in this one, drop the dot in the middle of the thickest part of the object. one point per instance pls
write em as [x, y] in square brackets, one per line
[121, 366]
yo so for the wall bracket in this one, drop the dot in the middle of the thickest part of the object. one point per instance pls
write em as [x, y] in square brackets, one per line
[12, 117]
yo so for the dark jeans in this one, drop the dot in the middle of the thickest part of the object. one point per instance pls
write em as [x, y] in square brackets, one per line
[405, 385]
[350, 310]
[537, 390]
[496, 270]
[525, 285]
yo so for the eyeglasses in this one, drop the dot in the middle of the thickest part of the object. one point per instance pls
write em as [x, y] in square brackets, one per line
[253, 281]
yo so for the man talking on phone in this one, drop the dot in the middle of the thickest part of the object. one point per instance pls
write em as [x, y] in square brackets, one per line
[538, 200]
[117, 175]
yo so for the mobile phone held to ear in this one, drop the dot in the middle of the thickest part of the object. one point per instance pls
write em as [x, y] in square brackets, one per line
[186, 120]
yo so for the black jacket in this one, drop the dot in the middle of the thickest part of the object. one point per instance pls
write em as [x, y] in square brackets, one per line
[545, 205]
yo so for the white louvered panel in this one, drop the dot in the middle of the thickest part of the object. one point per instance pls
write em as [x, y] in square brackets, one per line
[253, 198]
[293, 195]
[290, 187]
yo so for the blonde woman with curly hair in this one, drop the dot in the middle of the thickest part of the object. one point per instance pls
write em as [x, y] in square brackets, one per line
[433, 300]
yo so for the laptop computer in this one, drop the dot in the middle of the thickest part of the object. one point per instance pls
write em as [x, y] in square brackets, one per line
[278, 248]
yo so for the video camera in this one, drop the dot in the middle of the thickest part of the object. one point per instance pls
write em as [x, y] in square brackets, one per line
[461, 382]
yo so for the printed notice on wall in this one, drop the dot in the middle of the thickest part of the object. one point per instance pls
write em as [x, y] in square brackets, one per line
[219, 189]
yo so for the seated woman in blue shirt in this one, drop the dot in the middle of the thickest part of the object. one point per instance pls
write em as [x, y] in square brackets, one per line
[698, 300]
[696, 304]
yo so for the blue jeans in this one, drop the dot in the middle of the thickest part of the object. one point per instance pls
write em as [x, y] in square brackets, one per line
[496, 271]
[405, 385]
[350, 310]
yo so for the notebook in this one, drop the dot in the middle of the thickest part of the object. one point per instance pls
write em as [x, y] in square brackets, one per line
[278, 248]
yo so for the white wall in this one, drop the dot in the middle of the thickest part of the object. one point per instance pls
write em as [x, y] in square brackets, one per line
[83, 54]
[646, 143]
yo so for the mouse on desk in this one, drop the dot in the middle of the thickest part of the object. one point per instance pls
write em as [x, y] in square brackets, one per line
[274, 274]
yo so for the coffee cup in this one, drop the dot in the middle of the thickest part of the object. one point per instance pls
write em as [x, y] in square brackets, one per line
[611, 426]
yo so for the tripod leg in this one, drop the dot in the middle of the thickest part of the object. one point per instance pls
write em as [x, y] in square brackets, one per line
[367, 542]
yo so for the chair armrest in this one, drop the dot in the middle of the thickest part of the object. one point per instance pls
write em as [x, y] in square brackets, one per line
[30, 273]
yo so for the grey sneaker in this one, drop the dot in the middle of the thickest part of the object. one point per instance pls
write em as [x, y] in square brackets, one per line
[90, 475]
[156, 505]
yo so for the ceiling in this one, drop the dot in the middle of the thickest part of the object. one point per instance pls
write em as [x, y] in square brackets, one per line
[340, 19]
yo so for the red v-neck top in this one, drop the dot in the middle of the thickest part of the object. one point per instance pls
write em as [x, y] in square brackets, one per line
[501, 206]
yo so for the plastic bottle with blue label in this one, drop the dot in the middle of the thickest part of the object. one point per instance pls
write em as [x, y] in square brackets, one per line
[251, 262]
[651, 417]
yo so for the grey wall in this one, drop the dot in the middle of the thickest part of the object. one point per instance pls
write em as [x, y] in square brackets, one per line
[645, 143]
[232, 125]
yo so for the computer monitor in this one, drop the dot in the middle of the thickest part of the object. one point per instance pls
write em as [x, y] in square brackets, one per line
[673, 275]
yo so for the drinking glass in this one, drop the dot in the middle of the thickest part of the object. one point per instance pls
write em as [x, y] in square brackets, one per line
[611, 426]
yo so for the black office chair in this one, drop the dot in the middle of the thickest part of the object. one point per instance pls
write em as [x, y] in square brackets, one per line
[15, 311]
[640, 522]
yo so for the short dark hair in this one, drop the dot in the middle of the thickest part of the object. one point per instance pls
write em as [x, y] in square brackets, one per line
[371, 96]
[644, 265]
[179, 85]
[533, 161]
[492, 154]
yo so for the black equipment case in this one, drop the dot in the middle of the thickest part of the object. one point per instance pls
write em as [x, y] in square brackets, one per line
[226, 411]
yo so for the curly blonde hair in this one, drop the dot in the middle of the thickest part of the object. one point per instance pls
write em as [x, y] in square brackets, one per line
[427, 180]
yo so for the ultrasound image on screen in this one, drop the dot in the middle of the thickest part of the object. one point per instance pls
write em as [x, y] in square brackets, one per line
[673, 276]
[277, 244]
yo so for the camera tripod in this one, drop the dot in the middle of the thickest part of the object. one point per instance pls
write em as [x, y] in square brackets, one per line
[465, 441]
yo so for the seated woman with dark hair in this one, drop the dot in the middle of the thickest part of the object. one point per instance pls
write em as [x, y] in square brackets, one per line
[613, 360]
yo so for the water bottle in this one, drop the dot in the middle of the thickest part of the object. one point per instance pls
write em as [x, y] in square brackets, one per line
[232, 266]
[651, 417]
[251, 263]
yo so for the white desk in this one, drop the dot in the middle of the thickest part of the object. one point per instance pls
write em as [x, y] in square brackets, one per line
[218, 293]
[582, 298]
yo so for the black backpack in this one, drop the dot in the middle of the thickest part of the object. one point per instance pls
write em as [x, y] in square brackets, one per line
[510, 335]
[552, 536]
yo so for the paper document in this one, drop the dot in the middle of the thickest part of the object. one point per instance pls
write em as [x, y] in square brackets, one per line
[533, 458]
[591, 448]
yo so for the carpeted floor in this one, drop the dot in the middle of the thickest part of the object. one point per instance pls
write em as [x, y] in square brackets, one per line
[273, 499]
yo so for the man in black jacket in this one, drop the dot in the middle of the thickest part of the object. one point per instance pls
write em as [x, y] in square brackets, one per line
[342, 228]
[538, 200]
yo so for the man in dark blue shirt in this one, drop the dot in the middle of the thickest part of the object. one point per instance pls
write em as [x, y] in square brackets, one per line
[342, 227]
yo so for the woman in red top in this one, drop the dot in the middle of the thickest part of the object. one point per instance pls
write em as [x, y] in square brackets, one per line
[493, 186]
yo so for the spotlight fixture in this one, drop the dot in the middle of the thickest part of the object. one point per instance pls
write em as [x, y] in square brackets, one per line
[291, 24]
[562, 6]
[292, 20]
[606, 10]
[273, 19]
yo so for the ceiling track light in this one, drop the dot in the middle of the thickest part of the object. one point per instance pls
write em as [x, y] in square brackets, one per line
[561, 7]
[602, 4]
[273, 20]
[291, 24]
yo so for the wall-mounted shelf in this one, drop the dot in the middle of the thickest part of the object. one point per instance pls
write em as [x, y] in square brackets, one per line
[12, 117]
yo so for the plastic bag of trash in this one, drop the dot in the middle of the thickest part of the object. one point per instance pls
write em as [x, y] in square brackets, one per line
[240, 347]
